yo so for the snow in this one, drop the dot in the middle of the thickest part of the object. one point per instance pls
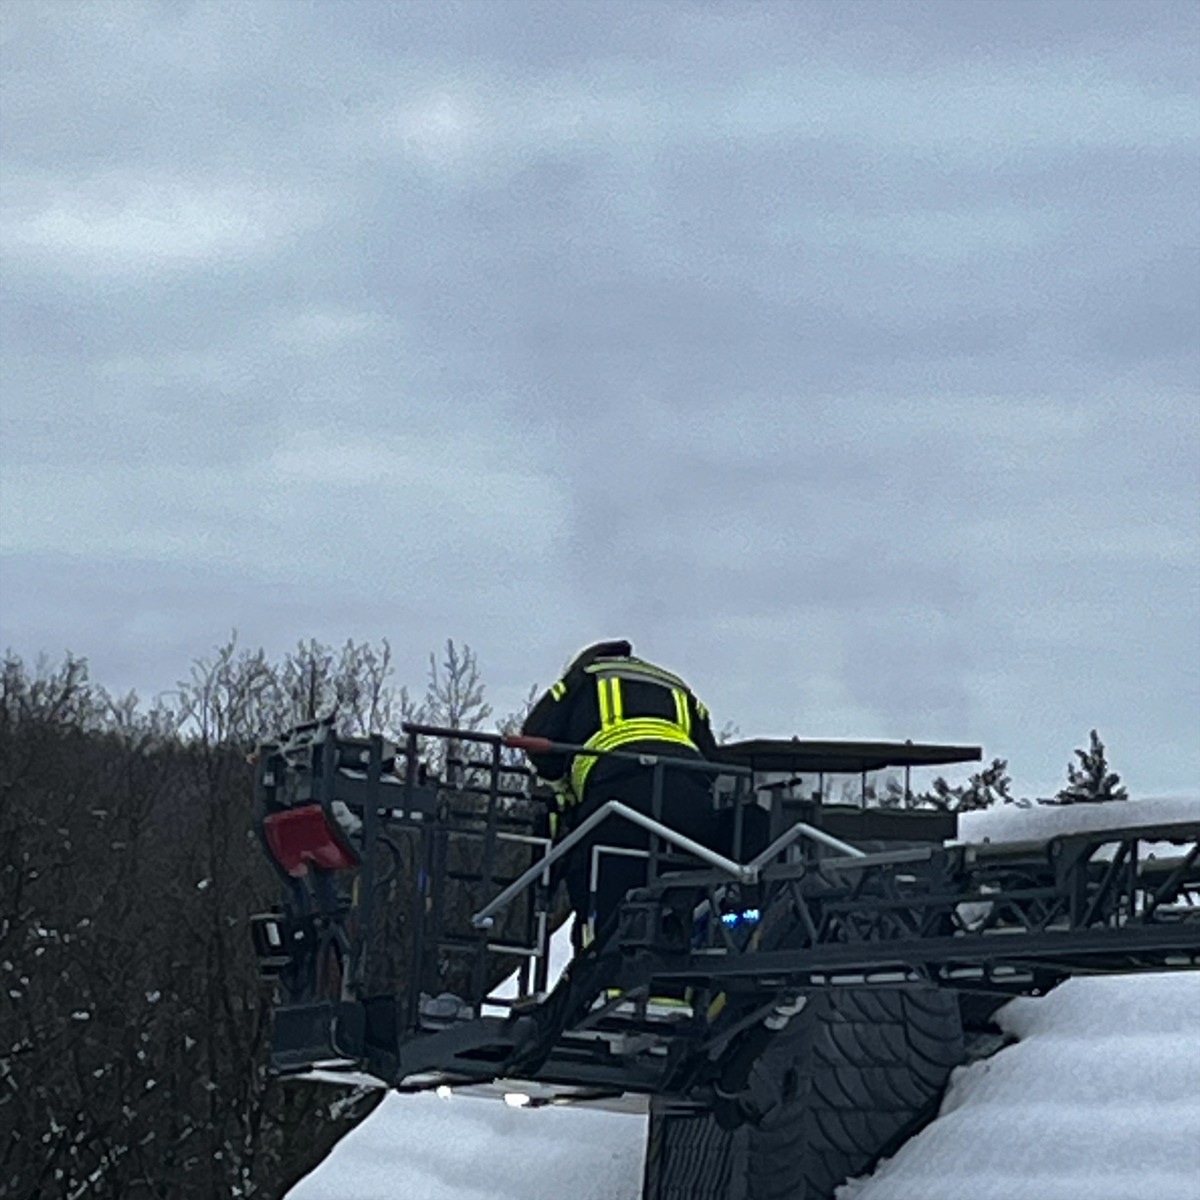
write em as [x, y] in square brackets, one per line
[1010, 823]
[559, 957]
[466, 1148]
[470, 1149]
[1099, 1099]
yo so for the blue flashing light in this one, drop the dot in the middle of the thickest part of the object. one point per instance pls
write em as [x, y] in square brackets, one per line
[748, 916]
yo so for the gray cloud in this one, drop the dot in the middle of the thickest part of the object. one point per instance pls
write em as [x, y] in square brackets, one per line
[844, 357]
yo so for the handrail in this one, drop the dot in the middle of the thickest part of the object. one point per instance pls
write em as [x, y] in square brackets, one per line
[520, 741]
[747, 874]
[462, 735]
[548, 746]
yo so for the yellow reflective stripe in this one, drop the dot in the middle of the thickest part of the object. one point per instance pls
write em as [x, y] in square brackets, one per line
[602, 696]
[608, 693]
[682, 713]
[652, 729]
[559, 690]
[636, 729]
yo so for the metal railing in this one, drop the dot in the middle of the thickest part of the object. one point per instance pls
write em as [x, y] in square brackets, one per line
[743, 872]
[497, 779]
[483, 918]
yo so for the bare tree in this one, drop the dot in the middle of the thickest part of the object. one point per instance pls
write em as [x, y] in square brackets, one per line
[511, 723]
[351, 685]
[454, 699]
[454, 696]
[134, 1023]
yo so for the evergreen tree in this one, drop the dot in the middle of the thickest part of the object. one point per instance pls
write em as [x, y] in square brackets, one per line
[1091, 782]
[990, 786]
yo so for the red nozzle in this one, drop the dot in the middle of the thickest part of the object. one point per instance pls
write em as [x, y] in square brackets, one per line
[519, 741]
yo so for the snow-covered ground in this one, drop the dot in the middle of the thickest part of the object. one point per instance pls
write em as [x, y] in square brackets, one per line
[466, 1148]
[425, 1148]
[1099, 1099]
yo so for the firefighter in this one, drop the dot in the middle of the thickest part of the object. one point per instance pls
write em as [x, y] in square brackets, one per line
[609, 700]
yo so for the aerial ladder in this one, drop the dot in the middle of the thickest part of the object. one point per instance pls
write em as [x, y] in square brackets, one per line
[414, 939]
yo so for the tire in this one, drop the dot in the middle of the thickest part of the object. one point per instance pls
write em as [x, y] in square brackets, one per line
[689, 1156]
[881, 1061]
[863, 1070]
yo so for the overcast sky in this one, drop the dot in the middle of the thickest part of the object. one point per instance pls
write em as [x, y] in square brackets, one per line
[845, 356]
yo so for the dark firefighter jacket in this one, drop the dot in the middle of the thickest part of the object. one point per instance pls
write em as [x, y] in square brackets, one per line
[615, 703]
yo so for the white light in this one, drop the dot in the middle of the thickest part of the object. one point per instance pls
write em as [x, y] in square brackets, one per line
[516, 1099]
[443, 1092]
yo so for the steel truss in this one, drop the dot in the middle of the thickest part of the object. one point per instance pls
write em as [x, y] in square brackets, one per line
[730, 943]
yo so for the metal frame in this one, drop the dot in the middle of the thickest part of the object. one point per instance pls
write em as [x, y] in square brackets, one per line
[981, 913]
[1006, 918]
